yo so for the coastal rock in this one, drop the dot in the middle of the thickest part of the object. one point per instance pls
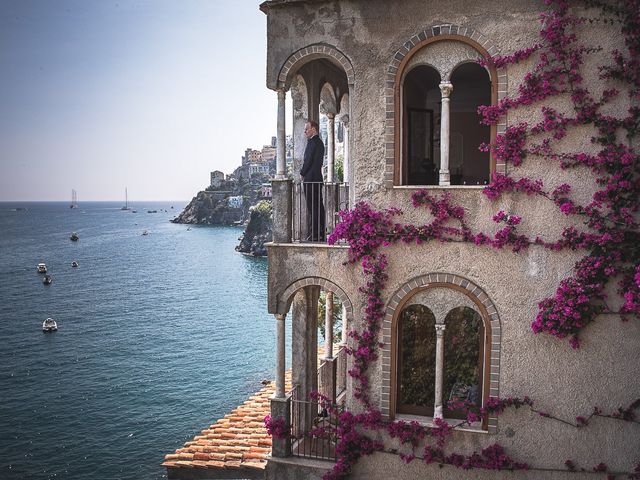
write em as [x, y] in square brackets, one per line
[212, 208]
[259, 230]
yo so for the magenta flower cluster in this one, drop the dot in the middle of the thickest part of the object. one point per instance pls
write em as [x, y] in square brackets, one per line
[611, 230]
[493, 457]
[277, 427]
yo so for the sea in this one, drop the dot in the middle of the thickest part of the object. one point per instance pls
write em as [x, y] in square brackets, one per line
[158, 336]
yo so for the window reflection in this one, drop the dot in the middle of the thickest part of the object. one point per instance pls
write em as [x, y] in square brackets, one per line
[416, 353]
[463, 354]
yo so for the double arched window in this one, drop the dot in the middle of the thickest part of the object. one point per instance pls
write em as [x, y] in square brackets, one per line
[440, 358]
[441, 88]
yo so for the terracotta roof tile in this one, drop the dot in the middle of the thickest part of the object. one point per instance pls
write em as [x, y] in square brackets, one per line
[237, 441]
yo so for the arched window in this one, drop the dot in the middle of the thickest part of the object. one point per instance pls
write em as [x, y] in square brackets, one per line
[440, 132]
[421, 117]
[471, 88]
[416, 351]
[463, 361]
[440, 361]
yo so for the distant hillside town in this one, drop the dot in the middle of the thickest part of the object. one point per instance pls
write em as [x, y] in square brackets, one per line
[244, 196]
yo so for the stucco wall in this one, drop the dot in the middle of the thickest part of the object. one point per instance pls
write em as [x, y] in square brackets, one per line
[562, 381]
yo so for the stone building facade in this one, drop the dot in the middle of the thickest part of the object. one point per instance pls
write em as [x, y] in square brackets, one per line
[406, 85]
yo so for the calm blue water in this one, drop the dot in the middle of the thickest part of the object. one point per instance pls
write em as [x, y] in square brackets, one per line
[159, 335]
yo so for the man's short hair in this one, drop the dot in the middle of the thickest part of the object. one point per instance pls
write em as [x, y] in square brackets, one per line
[313, 124]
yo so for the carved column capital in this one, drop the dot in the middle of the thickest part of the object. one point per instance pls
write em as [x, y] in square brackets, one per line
[446, 88]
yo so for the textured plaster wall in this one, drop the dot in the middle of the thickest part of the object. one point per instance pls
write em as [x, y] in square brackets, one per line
[603, 372]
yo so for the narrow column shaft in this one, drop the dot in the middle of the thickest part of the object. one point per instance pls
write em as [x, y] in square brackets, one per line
[345, 327]
[437, 412]
[331, 150]
[328, 326]
[446, 89]
[281, 138]
[280, 354]
[345, 160]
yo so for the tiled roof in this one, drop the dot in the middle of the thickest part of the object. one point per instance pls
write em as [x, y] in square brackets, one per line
[237, 443]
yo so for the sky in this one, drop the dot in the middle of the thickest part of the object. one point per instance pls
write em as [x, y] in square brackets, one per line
[148, 95]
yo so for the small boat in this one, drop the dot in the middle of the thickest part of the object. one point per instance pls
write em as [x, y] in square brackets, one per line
[74, 264]
[188, 228]
[74, 237]
[49, 325]
[47, 280]
[134, 211]
[126, 200]
[74, 199]
[42, 268]
[152, 211]
[144, 232]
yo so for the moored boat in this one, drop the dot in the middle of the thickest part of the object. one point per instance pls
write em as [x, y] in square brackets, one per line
[74, 264]
[74, 199]
[47, 280]
[74, 237]
[126, 200]
[49, 325]
[42, 268]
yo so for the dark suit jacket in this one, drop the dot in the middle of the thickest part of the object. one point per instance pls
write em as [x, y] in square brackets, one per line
[311, 170]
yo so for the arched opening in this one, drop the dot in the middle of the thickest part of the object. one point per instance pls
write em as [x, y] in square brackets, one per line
[471, 88]
[443, 151]
[421, 126]
[463, 361]
[318, 190]
[416, 354]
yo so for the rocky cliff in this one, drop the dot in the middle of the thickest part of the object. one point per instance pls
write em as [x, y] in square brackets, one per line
[208, 209]
[259, 230]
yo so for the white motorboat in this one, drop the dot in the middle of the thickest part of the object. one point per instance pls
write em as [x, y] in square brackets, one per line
[42, 268]
[49, 325]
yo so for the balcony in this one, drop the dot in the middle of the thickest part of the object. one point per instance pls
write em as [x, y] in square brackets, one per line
[306, 212]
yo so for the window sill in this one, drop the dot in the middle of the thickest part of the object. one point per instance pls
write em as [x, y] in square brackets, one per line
[475, 427]
[438, 187]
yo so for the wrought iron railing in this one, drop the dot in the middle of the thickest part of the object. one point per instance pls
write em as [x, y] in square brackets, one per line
[313, 428]
[315, 209]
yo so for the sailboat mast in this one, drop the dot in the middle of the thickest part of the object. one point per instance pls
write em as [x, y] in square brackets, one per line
[126, 200]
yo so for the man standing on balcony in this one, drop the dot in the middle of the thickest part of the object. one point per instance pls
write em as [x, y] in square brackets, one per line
[311, 173]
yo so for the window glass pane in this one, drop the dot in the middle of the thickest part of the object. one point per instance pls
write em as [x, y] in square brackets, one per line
[471, 88]
[416, 360]
[463, 340]
[421, 131]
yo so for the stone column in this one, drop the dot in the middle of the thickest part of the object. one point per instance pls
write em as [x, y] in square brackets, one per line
[437, 411]
[345, 160]
[281, 150]
[280, 355]
[328, 326]
[345, 327]
[331, 149]
[281, 408]
[281, 199]
[445, 179]
[304, 351]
